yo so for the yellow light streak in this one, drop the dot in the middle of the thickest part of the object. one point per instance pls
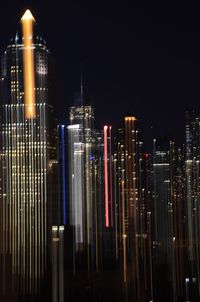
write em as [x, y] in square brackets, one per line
[28, 60]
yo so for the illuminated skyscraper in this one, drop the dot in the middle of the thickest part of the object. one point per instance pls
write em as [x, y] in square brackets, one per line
[98, 197]
[80, 136]
[62, 173]
[76, 185]
[178, 195]
[108, 177]
[108, 221]
[131, 203]
[120, 207]
[192, 170]
[143, 219]
[130, 211]
[162, 212]
[28, 153]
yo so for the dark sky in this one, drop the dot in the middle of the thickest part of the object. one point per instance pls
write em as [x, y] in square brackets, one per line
[137, 58]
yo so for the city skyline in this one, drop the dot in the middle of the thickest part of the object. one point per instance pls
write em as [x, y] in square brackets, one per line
[96, 203]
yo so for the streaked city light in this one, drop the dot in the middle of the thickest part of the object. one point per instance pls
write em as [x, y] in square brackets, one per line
[27, 21]
[88, 212]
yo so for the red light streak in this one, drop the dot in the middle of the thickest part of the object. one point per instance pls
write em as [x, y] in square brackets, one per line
[106, 176]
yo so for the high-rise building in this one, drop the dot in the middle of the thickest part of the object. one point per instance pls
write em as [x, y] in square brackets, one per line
[28, 154]
[179, 241]
[131, 198]
[162, 212]
[80, 137]
[98, 201]
[108, 177]
[192, 172]
[131, 203]
[77, 205]
[108, 221]
[120, 208]
[62, 173]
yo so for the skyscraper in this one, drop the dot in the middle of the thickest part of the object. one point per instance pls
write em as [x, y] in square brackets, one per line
[108, 177]
[28, 152]
[162, 211]
[80, 137]
[131, 202]
[62, 173]
[77, 205]
[131, 206]
[192, 170]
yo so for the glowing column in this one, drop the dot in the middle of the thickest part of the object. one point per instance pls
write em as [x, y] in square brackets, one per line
[108, 176]
[28, 61]
[76, 184]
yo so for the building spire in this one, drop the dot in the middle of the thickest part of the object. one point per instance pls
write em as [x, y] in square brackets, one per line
[27, 16]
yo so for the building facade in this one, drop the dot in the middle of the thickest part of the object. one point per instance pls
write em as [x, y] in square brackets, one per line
[28, 153]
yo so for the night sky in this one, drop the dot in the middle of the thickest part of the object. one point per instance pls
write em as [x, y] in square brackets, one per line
[137, 59]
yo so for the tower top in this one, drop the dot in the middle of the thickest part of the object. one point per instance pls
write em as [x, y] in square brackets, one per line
[27, 16]
[130, 118]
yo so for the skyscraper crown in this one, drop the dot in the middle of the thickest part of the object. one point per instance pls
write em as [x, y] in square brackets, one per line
[37, 38]
[27, 16]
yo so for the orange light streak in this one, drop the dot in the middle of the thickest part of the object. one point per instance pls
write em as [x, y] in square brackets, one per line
[106, 176]
[28, 61]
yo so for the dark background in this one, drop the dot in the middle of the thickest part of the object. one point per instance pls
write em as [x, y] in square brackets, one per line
[142, 59]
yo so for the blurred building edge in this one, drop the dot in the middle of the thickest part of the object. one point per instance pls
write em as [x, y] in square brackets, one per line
[58, 263]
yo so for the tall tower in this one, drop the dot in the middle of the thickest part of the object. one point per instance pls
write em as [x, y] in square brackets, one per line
[131, 199]
[28, 152]
[108, 177]
[192, 172]
[162, 218]
[80, 134]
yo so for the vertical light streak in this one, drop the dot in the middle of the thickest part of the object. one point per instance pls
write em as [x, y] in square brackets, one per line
[28, 61]
[131, 201]
[196, 226]
[26, 147]
[63, 174]
[96, 218]
[110, 150]
[61, 263]
[78, 193]
[83, 115]
[115, 209]
[189, 207]
[124, 233]
[150, 255]
[55, 243]
[76, 172]
[106, 176]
